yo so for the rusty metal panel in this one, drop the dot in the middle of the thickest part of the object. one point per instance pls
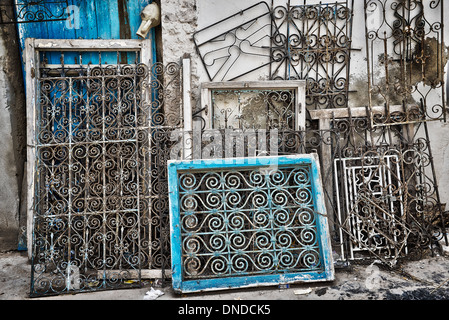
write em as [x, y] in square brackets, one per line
[374, 205]
[312, 42]
[33, 11]
[309, 42]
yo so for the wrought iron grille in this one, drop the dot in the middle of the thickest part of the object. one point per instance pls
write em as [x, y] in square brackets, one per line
[406, 58]
[313, 42]
[100, 214]
[386, 191]
[374, 202]
[166, 119]
[380, 188]
[305, 42]
[88, 190]
[26, 11]
[264, 219]
[254, 109]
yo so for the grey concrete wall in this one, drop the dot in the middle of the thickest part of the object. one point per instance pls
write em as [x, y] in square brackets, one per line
[13, 137]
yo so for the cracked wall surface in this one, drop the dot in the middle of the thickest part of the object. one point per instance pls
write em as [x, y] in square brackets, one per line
[12, 144]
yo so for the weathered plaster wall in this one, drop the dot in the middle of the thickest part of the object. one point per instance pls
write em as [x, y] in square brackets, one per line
[178, 23]
[180, 19]
[12, 142]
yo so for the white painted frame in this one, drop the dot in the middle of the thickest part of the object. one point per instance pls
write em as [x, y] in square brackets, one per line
[298, 85]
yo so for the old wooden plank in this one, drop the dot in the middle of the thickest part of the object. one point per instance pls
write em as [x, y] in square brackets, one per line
[114, 22]
[88, 28]
[187, 108]
[58, 30]
[104, 19]
[88, 21]
[134, 9]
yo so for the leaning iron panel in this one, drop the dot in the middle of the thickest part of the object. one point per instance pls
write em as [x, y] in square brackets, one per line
[248, 222]
[86, 155]
[406, 56]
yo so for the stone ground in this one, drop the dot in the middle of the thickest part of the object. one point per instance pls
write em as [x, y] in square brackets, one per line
[426, 279]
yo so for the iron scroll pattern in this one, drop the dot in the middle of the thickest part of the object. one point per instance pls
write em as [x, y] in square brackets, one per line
[88, 208]
[406, 58]
[387, 201]
[103, 138]
[165, 112]
[31, 11]
[391, 202]
[313, 42]
[248, 222]
[254, 109]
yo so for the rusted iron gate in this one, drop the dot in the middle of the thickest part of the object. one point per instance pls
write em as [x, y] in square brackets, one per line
[97, 210]
[406, 58]
[382, 198]
[381, 226]
[387, 196]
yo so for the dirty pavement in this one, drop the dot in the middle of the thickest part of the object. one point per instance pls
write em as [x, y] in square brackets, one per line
[426, 279]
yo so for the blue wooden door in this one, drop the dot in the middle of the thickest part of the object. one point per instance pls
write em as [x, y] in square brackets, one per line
[88, 19]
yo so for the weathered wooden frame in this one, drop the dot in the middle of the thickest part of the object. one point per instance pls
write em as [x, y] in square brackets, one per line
[181, 286]
[298, 85]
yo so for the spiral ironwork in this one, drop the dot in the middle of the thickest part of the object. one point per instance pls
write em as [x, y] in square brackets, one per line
[248, 222]
[27, 11]
[254, 109]
[309, 42]
[313, 42]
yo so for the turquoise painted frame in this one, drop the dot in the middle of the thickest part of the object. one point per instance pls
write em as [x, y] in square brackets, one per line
[200, 285]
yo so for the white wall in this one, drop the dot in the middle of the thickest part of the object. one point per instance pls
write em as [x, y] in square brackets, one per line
[181, 18]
